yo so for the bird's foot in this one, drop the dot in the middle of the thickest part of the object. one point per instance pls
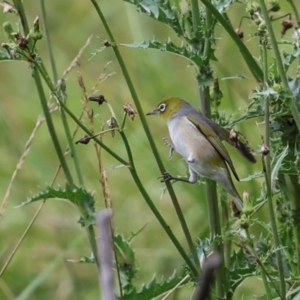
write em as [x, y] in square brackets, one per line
[170, 146]
[166, 177]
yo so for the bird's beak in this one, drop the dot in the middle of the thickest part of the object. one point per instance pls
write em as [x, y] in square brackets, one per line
[153, 112]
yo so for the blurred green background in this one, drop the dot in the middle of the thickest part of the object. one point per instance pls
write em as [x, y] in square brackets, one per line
[56, 236]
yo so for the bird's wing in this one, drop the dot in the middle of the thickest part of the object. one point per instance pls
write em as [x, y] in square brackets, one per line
[215, 141]
[239, 143]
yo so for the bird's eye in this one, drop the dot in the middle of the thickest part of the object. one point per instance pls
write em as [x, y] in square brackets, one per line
[162, 107]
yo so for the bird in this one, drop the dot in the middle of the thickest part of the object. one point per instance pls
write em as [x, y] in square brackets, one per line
[198, 140]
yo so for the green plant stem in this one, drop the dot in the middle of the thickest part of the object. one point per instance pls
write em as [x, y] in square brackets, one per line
[48, 41]
[147, 132]
[251, 62]
[267, 109]
[207, 42]
[295, 11]
[215, 229]
[18, 4]
[292, 104]
[274, 229]
[263, 271]
[227, 242]
[50, 125]
[267, 168]
[195, 15]
[71, 147]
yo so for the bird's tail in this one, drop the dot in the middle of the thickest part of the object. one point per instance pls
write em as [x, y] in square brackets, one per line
[236, 139]
[239, 203]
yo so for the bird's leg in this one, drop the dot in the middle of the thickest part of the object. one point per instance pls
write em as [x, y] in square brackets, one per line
[193, 176]
[168, 177]
[170, 146]
[165, 177]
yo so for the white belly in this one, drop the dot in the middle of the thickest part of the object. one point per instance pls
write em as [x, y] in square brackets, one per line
[193, 147]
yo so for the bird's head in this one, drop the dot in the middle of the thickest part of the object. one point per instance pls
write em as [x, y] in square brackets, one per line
[167, 108]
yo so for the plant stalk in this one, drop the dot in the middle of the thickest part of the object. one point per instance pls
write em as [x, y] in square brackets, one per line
[50, 125]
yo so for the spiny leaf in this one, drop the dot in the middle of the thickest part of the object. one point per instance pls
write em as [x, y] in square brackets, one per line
[169, 46]
[125, 252]
[78, 196]
[242, 266]
[161, 11]
[126, 261]
[253, 176]
[153, 289]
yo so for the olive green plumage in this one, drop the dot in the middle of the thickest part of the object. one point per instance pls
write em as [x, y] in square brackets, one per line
[198, 140]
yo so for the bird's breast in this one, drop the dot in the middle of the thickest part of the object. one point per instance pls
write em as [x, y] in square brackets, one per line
[192, 145]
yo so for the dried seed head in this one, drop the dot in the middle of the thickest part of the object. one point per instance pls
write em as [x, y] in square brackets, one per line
[286, 25]
[7, 7]
[264, 149]
[84, 140]
[129, 110]
[106, 43]
[240, 33]
[112, 123]
[22, 41]
[100, 99]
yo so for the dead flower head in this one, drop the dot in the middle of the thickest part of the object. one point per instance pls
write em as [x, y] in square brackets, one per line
[129, 110]
[100, 99]
[84, 140]
[112, 123]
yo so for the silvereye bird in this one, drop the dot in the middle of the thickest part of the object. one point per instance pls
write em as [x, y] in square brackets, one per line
[198, 140]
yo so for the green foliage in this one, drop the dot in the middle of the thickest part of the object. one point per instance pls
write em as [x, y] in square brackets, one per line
[169, 46]
[126, 262]
[251, 245]
[78, 196]
[242, 267]
[161, 11]
[153, 289]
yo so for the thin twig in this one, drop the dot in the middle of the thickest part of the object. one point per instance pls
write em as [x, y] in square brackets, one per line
[210, 265]
[105, 256]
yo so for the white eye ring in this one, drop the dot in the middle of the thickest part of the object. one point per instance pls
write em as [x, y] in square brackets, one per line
[162, 107]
